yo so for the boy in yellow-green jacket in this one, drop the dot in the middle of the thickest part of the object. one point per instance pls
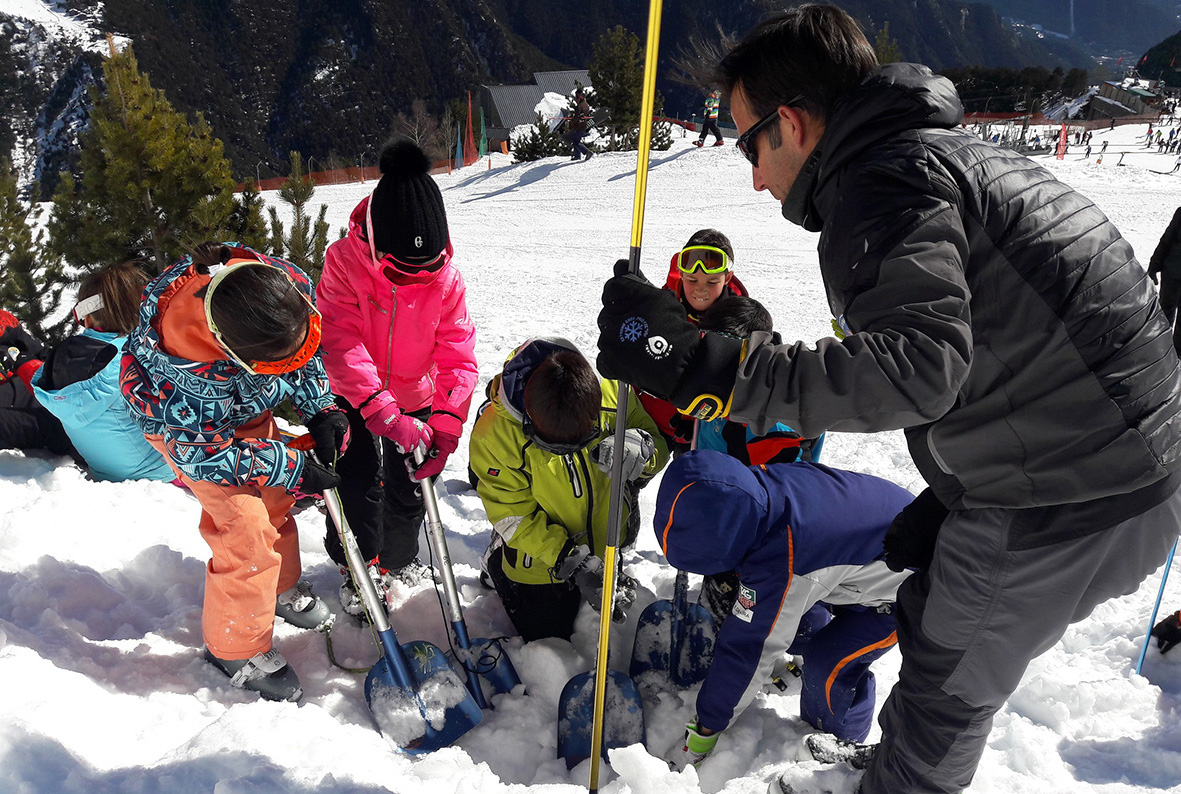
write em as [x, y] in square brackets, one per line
[540, 452]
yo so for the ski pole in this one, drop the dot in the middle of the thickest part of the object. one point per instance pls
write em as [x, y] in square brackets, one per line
[1155, 607]
[615, 509]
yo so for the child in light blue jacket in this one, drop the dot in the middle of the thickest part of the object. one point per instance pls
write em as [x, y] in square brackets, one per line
[78, 380]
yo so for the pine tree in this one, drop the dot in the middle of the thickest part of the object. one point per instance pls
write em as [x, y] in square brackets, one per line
[246, 225]
[662, 136]
[539, 142]
[31, 285]
[885, 47]
[617, 74]
[304, 246]
[152, 184]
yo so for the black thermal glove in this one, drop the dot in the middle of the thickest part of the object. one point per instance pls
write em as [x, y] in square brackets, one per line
[682, 432]
[316, 478]
[1168, 632]
[330, 430]
[17, 346]
[910, 540]
[646, 339]
[15, 336]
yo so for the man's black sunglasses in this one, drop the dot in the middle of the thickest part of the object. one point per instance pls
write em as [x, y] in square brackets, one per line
[746, 141]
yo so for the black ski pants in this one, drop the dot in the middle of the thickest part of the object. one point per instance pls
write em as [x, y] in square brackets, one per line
[536, 610]
[708, 126]
[382, 503]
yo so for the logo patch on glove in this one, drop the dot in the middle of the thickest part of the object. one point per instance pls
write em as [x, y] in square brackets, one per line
[633, 329]
[744, 606]
[658, 347]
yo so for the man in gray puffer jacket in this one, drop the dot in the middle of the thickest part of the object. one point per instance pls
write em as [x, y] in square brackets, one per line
[993, 313]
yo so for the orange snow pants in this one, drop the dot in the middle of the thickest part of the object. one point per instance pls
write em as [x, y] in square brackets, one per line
[255, 546]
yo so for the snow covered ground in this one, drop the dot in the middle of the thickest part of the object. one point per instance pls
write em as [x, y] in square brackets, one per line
[102, 688]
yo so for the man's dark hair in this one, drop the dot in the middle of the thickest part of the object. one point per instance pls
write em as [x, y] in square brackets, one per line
[815, 50]
[712, 237]
[563, 397]
[737, 315]
[258, 310]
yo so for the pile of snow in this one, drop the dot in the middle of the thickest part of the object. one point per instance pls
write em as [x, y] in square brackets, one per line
[102, 686]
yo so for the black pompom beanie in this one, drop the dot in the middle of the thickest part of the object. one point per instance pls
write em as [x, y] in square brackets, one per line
[406, 211]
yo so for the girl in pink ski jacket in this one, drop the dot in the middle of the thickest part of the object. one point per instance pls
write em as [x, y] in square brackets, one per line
[399, 349]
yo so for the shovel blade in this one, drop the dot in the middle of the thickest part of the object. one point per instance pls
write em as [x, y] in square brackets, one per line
[493, 665]
[430, 713]
[679, 647]
[623, 716]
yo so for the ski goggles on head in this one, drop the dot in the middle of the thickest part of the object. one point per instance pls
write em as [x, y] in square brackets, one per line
[705, 258]
[301, 356]
[87, 307]
[560, 448]
[746, 141]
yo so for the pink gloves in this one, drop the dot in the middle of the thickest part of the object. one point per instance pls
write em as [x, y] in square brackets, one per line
[384, 418]
[446, 429]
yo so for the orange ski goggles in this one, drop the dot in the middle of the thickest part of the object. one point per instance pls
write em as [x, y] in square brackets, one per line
[302, 355]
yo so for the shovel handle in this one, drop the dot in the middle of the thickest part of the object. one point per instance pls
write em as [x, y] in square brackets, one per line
[438, 541]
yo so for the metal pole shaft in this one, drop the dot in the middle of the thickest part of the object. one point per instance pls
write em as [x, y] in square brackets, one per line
[615, 514]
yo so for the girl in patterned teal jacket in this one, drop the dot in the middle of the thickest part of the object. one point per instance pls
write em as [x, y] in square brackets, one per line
[224, 336]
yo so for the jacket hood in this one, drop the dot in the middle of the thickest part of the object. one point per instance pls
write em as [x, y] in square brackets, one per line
[520, 365]
[79, 358]
[710, 512]
[892, 99]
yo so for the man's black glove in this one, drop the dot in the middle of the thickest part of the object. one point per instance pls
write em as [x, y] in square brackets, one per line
[330, 430]
[316, 478]
[910, 540]
[1168, 632]
[646, 339]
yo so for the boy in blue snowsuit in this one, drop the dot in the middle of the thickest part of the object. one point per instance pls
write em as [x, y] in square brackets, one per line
[799, 534]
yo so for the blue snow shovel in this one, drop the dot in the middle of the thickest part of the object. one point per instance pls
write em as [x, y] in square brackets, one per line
[576, 708]
[417, 699]
[675, 638]
[480, 658]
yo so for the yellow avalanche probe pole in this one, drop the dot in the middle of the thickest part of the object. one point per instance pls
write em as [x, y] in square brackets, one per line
[615, 516]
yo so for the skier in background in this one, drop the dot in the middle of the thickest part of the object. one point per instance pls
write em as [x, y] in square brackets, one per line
[710, 121]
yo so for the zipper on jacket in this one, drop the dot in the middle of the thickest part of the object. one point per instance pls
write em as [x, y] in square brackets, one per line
[590, 505]
[389, 348]
[572, 472]
[935, 454]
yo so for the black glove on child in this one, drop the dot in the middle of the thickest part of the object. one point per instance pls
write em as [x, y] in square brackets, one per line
[330, 430]
[1168, 632]
[316, 478]
[17, 346]
[646, 339]
[910, 540]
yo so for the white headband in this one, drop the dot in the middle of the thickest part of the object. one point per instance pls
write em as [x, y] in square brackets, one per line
[87, 306]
